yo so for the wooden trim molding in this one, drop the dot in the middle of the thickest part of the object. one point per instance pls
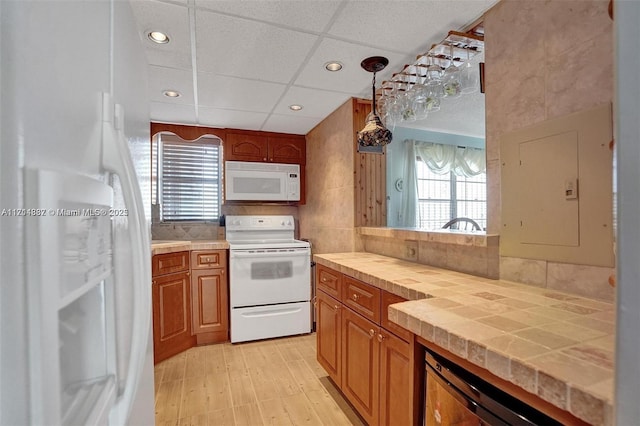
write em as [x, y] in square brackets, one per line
[189, 133]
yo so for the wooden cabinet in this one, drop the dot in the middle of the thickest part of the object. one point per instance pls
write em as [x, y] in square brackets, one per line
[171, 301]
[265, 147]
[209, 296]
[361, 364]
[329, 335]
[377, 370]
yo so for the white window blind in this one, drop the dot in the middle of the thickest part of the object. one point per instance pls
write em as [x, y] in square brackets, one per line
[189, 184]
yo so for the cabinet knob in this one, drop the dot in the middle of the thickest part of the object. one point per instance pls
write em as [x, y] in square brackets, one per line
[372, 332]
[324, 279]
[336, 307]
[355, 297]
[271, 159]
[154, 282]
[264, 158]
[380, 337]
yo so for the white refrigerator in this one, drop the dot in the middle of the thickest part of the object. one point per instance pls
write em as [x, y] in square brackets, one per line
[75, 284]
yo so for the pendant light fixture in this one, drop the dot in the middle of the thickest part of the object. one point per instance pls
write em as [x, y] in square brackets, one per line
[374, 134]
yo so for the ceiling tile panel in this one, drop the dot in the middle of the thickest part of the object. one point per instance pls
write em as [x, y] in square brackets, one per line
[173, 113]
[237, 93]
[405, 26]
[352, 78]
[289, 124]
[217, 117]
[305, 15]
[316, 103]
[242, 48]
[161, 79]
[170, 19]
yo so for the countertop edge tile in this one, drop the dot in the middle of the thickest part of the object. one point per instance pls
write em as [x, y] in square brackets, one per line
[166, 246]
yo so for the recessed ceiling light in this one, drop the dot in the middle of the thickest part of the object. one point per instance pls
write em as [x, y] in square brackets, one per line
[158, 37]
[171, 93]
[295, 107]
[333, 66]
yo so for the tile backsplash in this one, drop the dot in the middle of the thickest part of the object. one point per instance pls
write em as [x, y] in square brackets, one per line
[211, 230]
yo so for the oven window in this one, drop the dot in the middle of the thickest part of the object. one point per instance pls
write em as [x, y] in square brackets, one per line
[271, 270]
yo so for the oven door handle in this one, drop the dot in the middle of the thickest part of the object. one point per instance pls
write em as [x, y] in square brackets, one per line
[254, 254]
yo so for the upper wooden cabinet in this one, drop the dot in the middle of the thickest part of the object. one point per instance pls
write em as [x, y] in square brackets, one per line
[265, 147]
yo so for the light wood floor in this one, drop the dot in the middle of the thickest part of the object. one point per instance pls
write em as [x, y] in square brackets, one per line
[272, 382]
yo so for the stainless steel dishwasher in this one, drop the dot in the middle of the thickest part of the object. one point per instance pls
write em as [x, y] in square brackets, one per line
[454, 396]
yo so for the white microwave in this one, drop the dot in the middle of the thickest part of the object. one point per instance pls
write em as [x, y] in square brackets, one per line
[247, 181]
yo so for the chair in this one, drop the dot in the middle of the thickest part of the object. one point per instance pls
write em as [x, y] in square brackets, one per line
[462, 224]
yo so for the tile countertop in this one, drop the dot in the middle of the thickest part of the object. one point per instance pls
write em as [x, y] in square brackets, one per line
[555, 345]
[172, 246]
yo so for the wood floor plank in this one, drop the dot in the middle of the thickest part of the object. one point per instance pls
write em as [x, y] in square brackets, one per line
[290, 352]
[242, 392]
[317, 369]
[233, 358]
[174, 368]
[301, 410]
[274, 413]
[218, 392]
[248, 415]
[168, 401]
[195, 361]
[194, 396]
[284, 382]
[327, 410]
[199, 420]
[223, 417]
[304, 376]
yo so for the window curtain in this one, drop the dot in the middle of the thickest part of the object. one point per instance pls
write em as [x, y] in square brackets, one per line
[441, 159]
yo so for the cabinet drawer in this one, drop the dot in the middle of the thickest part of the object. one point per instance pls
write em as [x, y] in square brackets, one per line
[169, 263]
[206, 259]
[362, 298]
[328, 280]
[390, 299]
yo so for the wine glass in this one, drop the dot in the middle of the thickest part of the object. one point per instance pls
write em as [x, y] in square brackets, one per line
[469, 76]
[406, 99]
[420, 95]
[433, 82]
[451, 79]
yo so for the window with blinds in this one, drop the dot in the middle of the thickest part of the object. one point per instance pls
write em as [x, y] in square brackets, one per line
[189, 179]
[445, 197]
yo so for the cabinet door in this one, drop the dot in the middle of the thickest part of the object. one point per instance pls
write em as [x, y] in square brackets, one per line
[245, 147]
[396, 384]
[290, 149]
[360, 365]
[171, 315]
[329, 334]
[209, 302]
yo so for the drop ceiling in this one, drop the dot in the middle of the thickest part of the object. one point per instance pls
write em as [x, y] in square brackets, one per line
[241, 64]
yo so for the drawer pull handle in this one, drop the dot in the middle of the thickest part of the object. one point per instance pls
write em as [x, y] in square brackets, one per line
[380, 338]
[372, 332]
[355, 297]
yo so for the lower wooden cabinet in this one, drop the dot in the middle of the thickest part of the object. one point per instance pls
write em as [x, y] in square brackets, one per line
[209, 305]
[377, 371]
[171, 315]
[361, 364]
[329, 335]
[190, 301]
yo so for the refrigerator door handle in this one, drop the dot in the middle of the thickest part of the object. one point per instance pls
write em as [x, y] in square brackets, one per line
[117, 160]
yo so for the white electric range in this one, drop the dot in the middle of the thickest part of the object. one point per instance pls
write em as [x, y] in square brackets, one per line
[269, 278]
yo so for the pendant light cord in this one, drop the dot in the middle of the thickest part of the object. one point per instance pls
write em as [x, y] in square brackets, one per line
[373, 90]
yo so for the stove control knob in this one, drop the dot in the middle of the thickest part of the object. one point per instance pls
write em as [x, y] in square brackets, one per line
[282, 223]
[289, 223]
